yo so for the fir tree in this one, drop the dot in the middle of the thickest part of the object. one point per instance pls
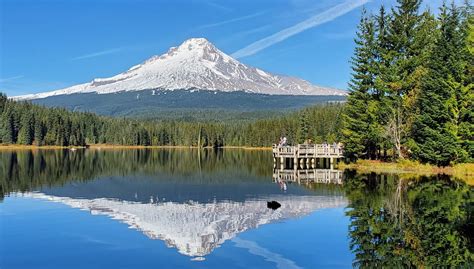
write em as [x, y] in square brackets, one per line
[407, 43]
[7, 128]
[38, 135]
[3, 102]
[356, 118]
[435, 128]
[303, 131]
[383, 65]
[466, 96]
[26, 132]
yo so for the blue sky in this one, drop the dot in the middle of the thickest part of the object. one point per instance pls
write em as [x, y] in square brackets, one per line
[51, 44]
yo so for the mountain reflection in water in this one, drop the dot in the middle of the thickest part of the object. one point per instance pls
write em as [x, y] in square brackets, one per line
[196, 229]
[196, 201]
[192, 204]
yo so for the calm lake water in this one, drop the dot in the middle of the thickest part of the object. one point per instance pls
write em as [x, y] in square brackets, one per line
[208, 209]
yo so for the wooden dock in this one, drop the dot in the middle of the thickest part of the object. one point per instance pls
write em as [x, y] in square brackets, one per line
[306, 155]
[326, 176]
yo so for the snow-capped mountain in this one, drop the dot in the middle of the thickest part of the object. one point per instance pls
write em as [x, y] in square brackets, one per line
[195, 64]
[196, 229]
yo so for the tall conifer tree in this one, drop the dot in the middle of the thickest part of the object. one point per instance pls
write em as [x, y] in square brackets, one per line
[408, 43]
[356, 118]
[435, 128]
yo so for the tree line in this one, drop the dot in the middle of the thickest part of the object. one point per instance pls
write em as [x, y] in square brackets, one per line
[25, 170]
[24, 123]
[423, 222]
[411, 92]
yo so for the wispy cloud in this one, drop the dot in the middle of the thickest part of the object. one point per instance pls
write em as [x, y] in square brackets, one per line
[280, 261]
[11, 78]
[97, 54]
[318, 19]
[254, 30]
[341, 35]
[28, 85]
[218, 6]
[246, 17]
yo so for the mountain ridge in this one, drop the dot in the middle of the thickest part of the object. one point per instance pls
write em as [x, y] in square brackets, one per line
[195, 64]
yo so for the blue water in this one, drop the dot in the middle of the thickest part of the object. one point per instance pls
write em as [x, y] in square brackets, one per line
[208, 209]
[127, 209]
[45, 234]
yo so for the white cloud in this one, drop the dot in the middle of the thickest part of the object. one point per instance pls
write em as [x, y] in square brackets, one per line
[318, 19]
[280, 261]
[2, 80]
[218, 6]
[246, 17]
[97, 54]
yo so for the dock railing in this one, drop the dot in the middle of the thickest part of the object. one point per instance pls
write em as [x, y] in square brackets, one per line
[328, 176]
[308, 151]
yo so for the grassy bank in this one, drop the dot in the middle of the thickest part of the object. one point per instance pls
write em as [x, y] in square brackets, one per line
[408, 168]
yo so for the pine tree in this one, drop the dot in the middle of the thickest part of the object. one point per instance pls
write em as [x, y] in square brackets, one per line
[7, 128]
[26, 132]
[357, 120]
[435, 128]
[3, 102]
[401, 77]
[303, 131]
[383, 64]
[466, 96]
[38, 134]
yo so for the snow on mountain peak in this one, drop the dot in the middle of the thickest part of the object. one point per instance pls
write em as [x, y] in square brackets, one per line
[196, 63]
[196, 42]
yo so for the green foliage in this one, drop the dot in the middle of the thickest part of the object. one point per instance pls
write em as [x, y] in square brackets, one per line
[411, 91]
[358, 142]
[24, 123]
[436, 128]
[303, 131]
[419, 223]
[186, 105]
[25, 135]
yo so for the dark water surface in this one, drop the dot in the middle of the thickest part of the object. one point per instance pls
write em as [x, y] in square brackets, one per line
[208, 209]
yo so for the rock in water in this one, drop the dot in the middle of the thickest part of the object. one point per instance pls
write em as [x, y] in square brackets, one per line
[273, 205]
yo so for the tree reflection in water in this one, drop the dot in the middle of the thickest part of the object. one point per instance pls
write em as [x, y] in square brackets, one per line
[394, 222]
[399, 223]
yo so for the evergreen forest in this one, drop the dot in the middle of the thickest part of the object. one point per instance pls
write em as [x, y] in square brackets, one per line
[411, 92]
[24, 123]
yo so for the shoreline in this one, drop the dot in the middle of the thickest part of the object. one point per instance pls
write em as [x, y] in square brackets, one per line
[407, 168]
[109, 146]
[404, 168]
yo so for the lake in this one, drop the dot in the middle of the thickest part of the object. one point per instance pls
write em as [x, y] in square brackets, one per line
[183, 208]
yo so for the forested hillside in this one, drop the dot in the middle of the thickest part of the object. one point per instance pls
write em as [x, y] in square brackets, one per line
[412, 85]
[28, 124]
[187, 105]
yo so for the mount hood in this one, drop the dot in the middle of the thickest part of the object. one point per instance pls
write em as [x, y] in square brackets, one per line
[195, 64]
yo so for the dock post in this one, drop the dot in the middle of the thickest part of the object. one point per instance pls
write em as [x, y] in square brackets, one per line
[331, 163]
[282, 163]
